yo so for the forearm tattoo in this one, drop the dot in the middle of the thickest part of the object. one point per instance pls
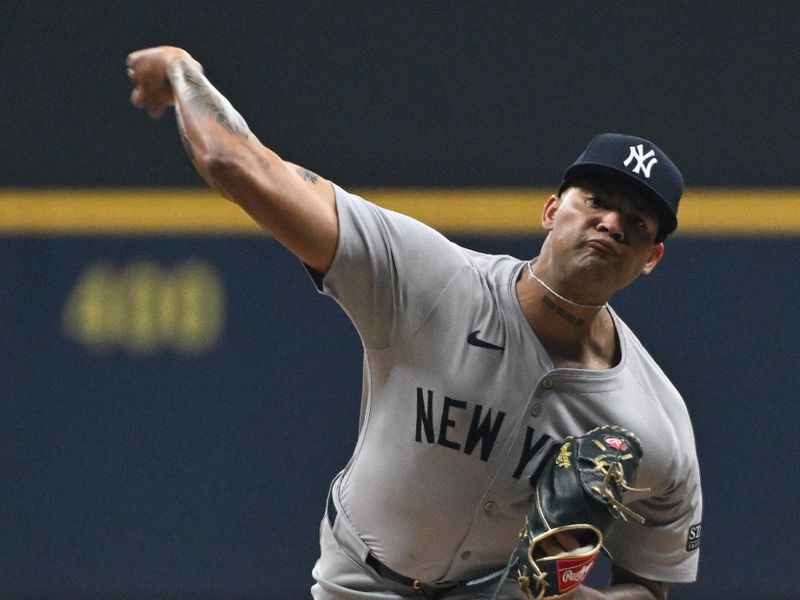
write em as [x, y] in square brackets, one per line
[182, 133]
[202, 95]
[307, 175]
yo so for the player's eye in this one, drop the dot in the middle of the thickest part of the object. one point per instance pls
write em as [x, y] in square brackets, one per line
[597, 202]
[638, 223]
[642, 223]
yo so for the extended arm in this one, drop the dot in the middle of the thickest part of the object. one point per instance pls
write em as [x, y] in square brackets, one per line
[293, 204]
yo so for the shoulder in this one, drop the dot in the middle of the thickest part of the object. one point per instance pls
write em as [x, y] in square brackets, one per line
[495, 268]
[356, 210]
[376, 234]
[644, 369]
[662, 419]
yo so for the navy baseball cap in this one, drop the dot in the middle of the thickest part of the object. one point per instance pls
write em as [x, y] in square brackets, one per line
[638, 161]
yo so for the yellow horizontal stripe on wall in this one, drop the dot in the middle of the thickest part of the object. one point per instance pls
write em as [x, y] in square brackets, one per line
[487, 211]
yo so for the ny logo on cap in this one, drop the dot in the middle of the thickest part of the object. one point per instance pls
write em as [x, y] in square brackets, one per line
[637, 152]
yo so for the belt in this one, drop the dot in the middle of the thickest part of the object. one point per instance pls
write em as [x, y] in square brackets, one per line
[427, 590]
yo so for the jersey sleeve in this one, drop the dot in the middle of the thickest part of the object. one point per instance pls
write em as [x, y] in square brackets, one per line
[389, 270]
[666, 547]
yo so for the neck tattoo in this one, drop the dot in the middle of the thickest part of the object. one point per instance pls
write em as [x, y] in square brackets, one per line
[560, 297]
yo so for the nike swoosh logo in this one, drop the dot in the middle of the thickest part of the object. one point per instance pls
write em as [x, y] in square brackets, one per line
[474, 340]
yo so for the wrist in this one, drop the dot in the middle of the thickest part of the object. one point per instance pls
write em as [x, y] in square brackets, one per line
[180, 66]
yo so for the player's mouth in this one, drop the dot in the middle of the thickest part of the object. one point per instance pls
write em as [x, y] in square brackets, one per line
[602, 246]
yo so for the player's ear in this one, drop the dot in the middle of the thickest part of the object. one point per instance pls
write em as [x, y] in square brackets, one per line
[549, 212]
[656, 254]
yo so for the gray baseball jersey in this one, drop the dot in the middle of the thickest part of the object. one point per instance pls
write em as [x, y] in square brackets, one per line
[461, 402]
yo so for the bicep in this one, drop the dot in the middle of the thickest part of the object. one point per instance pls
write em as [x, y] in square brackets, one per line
[291, 203]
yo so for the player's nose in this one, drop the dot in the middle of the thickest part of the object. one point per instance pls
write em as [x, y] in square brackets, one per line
[611, 223]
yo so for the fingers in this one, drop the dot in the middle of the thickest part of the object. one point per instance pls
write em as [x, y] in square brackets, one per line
[136, 98]
[137, 95]
[556, 544]
[567, 541]
[548, 547]
[156, 110]
[155, 106]
[151, 91]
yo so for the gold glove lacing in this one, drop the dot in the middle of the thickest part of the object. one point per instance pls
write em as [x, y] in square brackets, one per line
[614, 472]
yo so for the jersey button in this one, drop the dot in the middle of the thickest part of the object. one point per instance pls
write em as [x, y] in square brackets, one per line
[536, 410]
[547, 384]
[465, 555]
[489, 506]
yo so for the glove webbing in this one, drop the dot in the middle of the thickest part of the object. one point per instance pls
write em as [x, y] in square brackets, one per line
[613, 472]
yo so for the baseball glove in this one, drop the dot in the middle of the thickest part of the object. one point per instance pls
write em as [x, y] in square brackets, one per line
[578, 492]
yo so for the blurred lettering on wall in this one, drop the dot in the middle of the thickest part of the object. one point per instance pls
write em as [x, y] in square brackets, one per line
[143, 307]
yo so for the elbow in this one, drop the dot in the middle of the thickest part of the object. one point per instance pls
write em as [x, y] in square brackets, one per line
[221, 167]
[228, 172]
[241, 177]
